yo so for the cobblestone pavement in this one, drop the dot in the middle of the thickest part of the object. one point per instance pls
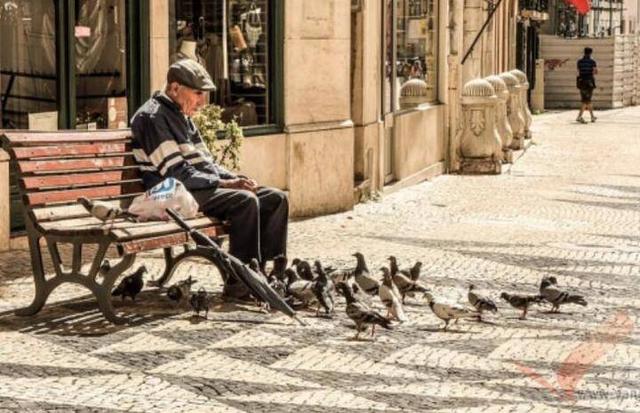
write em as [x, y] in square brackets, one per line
[568, 207]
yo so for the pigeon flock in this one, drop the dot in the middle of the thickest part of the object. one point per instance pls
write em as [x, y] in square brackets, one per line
[315, 287]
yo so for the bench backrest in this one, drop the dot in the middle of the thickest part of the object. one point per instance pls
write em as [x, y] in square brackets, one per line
[55, 168]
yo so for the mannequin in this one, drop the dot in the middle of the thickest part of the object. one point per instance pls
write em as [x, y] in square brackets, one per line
[188, 50]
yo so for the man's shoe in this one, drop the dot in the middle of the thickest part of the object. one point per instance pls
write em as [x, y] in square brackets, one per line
[581, 120]
[593, 119]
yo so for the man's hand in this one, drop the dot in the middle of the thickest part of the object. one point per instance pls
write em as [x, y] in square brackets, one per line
[246, 184]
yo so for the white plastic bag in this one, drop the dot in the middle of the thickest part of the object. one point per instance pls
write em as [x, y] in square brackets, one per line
[169, 193]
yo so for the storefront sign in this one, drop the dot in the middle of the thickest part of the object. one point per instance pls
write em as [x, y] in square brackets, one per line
[43, 121]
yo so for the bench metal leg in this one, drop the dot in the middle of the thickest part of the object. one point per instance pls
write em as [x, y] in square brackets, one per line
[102, 291]
[41, 291]
[172, 262]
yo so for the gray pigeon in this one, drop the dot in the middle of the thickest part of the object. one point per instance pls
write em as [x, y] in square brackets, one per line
[481, 303]
[361, 274]
[362, 315]
[413, 272]
[550, 292]
[406, 286]
[104, 211]
[131, 285]
[300, 289]
[521, 302]
[322, 288]
[303, 269]
[200, 302]
[179, 291]
[448, 312]
[390, 297]
[279, 265]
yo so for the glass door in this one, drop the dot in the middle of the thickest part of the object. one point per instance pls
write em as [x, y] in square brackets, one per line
[100, 51]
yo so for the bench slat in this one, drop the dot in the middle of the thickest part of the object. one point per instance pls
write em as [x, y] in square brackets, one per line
[122, 230]
[69, 195]
[75, 210]
[74, 164]
[40, 138]
[136, 246]
[30, 152]
[78, 179]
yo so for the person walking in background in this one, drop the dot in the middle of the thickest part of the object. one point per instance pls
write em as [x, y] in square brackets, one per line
[587, 69]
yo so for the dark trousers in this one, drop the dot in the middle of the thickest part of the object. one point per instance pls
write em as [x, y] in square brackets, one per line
[258, 221]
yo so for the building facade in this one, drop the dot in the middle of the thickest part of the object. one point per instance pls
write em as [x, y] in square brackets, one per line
[610, 29]
[339, 99]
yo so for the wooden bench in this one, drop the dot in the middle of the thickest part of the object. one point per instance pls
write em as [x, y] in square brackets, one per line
[53, 170]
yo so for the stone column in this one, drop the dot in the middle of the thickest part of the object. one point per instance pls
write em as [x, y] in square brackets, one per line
[524, 89]
[514, 110]
[5, 202]
[502, 122]
[480, 145]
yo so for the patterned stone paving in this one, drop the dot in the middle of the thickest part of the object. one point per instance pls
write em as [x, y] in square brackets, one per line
[569, 207]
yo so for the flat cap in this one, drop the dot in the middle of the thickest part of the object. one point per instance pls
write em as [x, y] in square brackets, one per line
[191, 74]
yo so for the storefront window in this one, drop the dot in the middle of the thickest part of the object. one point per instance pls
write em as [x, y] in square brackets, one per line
[28, 64]
[231, 38]
[100, 59]
[416, 44]
[388, 52]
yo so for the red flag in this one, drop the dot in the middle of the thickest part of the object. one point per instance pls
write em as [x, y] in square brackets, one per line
[582, 6]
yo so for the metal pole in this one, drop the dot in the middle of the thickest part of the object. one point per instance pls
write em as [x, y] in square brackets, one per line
[484, 26]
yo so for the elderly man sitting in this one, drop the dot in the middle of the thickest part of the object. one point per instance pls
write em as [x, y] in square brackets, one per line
[166, 143]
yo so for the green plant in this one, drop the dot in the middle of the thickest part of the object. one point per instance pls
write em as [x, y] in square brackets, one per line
[223, 139]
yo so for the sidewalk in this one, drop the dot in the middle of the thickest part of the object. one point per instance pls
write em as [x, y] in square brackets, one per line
[569, 207]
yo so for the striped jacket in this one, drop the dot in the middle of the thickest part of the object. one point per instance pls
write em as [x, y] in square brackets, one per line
[167, 144]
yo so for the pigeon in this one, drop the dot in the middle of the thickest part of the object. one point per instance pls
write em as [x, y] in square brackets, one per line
[361, 314]
[390, 297]
[180, 290]
[361, 274]
[481, 303]
[303, 269]
[322, 287]
[254, 265]
[521, 302]
[104, 211]
[448, 312]
[200, 302]
[405, 285]
[300, 289]
[105, 267]
[131, 285]
[413, 272]
[279, 265]
[550, 292]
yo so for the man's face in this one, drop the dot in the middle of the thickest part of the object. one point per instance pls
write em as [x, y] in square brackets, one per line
[189, 100]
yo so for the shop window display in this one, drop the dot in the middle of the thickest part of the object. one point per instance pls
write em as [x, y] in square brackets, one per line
[231, 39]
[416, 46]
[27, 63]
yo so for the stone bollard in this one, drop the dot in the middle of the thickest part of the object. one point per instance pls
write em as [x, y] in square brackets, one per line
[502, 122]
[480, 145]
[524, 91]
[412, 93]
[514, 110]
